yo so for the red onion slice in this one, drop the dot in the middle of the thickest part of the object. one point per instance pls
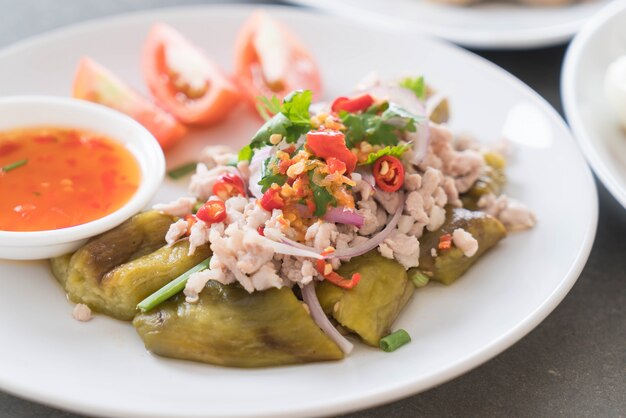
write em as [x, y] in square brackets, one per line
[287, 247]
[320, 318]
[256, 170]
[372, 242]
[344, 216]
[359, 249]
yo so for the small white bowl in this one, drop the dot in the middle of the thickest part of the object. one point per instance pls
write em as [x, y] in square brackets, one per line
[33, 111]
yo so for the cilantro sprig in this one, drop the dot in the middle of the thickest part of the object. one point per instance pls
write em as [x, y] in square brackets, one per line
[291, 119]
[321, 197]
[416, 84]
[395, 151]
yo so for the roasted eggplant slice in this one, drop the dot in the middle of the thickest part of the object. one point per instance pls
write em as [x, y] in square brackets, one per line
[116, 270]
[370, 308]
[491, 180]
[448, 265]
[229, 326]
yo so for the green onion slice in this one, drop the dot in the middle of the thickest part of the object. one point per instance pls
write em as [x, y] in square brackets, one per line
[182, 171]
[418, 278]
[394, 340]
[172, 288]
[14, 165]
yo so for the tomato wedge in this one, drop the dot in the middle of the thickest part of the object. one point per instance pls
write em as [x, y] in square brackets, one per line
[95, 83]
[327, 144]
[271, 61]
[184, 81]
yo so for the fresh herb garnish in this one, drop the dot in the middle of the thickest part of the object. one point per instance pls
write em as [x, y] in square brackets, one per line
[394, 340]
[182, 171]
[395, 151]
[245, 154]
[416, 85]
[367, 127]
[291, 122]
[321, 197]
[14, 165]
[268, 177]
[268, 107]
[172, 288]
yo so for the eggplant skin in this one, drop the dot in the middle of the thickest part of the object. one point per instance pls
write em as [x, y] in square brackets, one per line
[230, 327]
[118, 269]
[450, 264]
[370, 308]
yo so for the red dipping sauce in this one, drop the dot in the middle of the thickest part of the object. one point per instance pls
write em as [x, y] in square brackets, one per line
[54, 178]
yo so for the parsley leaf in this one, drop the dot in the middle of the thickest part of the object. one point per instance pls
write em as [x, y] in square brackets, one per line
[268, 177]
[416, 85]
[368, 127]
[291, 122]
[296, 107]
[321, 197]
[245, 154]
[396, 151]
[268, 107]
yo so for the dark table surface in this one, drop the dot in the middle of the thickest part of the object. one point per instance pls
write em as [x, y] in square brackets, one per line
[573, 364]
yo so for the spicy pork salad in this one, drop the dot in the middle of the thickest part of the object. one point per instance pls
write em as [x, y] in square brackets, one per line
[313, 236]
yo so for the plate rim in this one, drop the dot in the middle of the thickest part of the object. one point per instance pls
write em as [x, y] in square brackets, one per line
[392, 393]
[569, 77]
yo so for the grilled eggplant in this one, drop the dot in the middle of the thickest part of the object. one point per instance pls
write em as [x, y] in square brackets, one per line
[229, 326]
[370, 308]
[448, 265]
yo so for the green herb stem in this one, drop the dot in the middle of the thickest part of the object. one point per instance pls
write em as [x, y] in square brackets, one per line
[418, 278]
[14, 165]
[394, 340]
[172, 288]
[182, 171]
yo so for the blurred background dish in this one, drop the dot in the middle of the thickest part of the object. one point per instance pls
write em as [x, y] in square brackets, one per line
[594, 115]
[520, 24]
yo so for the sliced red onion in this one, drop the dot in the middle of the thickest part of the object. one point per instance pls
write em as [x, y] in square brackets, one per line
[320, 318]
[359, 249]
[256, 170]
[343, 215]
[372, 242]
[287, 247]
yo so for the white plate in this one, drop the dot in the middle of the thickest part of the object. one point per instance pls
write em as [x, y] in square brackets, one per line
[593, 122]
[101, 367]
[485, 25]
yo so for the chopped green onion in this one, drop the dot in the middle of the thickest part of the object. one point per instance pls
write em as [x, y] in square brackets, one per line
[14, 165]
[418, 278]
[172, 288]
[394, 340]
[182, 171]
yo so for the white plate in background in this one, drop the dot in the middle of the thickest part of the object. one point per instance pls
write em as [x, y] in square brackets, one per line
[489, 25]
[593, 121]
[102, 368]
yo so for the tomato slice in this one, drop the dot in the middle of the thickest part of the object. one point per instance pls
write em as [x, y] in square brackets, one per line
[352, 105]
[271, 61]
[327, 144]
[271, 199]
[184, 81]
[95, 83]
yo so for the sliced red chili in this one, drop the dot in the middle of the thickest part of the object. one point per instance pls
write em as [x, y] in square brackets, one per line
[445, 242]
[352, 105]
[326, 144]
[389, 173]
[261, 230]
[271, 199]
[213, 211]
[335, 278]
[228, 185]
